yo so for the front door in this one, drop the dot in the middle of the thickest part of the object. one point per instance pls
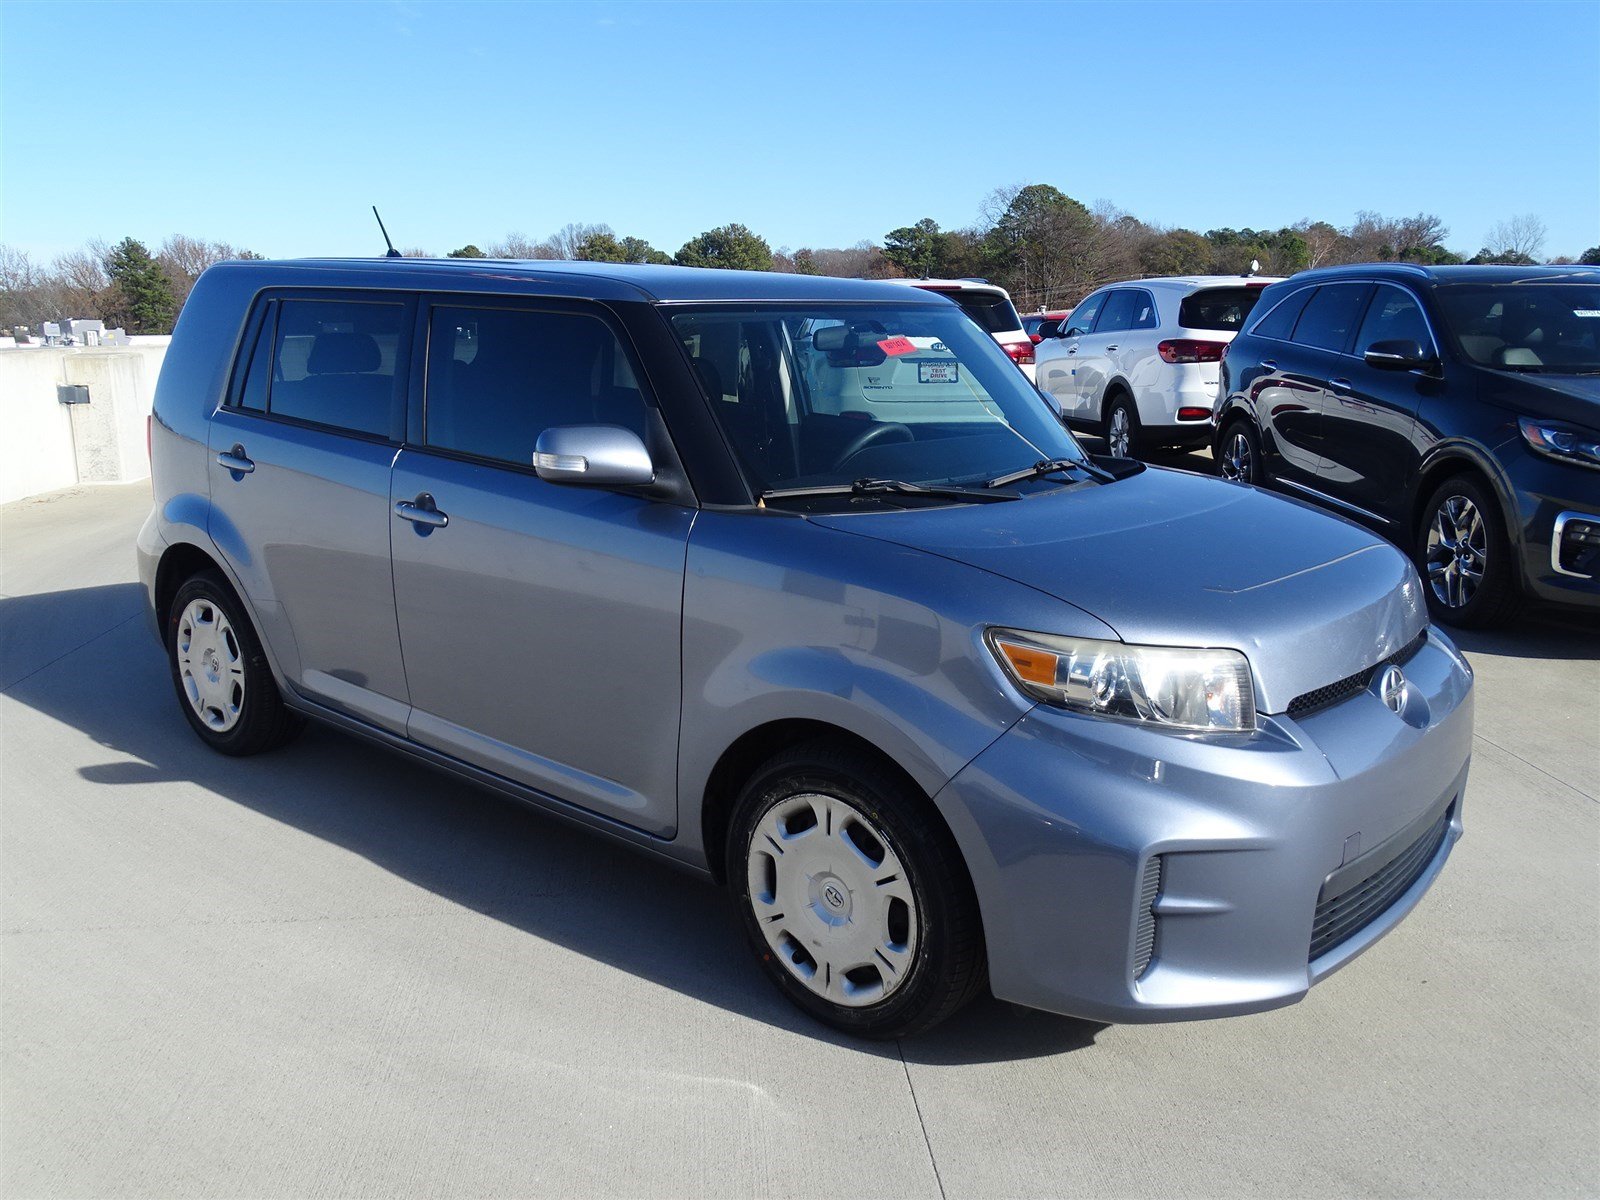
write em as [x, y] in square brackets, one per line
[1056, 359]
[1369, 415]
[540, 622]
[299, 471]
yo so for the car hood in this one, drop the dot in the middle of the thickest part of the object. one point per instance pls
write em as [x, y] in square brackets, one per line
[1574, 398]
[1170, 558]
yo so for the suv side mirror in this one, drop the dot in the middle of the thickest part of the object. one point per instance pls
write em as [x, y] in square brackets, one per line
[596, 455]
[1398, 356]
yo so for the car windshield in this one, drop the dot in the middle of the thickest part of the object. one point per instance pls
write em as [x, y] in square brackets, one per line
[1535, 327]
[816, 396]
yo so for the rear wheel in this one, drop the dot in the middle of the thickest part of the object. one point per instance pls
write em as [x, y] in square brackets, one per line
[854, 895]
[224, 685]
[1465, 556]
[1239, 453]
[1122, 434]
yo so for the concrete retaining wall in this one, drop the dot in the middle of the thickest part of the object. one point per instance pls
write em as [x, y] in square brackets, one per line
[45, 444]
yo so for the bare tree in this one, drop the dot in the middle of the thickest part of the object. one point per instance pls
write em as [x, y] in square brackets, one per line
[1516, 237]
[516, 245]
[1322, 241]
[184, 258]
[566, 241]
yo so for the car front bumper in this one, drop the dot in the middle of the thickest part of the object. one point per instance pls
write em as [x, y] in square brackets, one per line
[1543, 492]
[1265, 842]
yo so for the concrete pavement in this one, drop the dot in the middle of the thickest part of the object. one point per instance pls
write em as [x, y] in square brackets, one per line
[327, 971]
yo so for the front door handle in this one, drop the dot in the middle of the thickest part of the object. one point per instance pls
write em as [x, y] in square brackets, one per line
[1073, 350]
[421, 511]
[235, 460]
[1111, 347]
[1339, 385]
[1268, 364]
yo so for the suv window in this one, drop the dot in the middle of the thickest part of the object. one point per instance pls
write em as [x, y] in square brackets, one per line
[990, 310]
[253, 395]
[1144, 311]
[1330, 315]
[1082, 318]
[1393, 315]
[1279, 322]
[498, 378]
[333, 364]
[1119, 311]
[1222, 308]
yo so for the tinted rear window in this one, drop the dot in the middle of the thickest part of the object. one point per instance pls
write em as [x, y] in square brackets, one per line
[995, 314]
[1330, 316]
[1218, 308]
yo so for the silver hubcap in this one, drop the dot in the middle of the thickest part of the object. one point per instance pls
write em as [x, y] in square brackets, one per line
[832, 899]
[1458, 551]
[1236, 458]
[1120, 439]
[210, 665]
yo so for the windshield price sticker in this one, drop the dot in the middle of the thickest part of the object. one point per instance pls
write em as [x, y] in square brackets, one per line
[938, 372]
[896, 345]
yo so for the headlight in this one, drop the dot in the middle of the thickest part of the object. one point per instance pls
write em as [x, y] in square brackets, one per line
[1177, 688]
[1569, 443]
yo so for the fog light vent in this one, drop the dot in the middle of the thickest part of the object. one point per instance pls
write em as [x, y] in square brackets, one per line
[1144, 941]
[1575, 549]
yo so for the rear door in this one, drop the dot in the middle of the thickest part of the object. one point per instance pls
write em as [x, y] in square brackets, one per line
[540, 622]
[1369, 416]
[300, 460]
[1292, 397]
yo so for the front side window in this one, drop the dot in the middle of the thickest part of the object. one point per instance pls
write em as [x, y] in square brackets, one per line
[1393, 316]
[1330, 315]
[334, 362]
[498, 378]
[1082, 318]
[1532, 327]
[817, 396]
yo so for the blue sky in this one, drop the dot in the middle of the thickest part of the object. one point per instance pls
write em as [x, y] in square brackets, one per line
[275, 125]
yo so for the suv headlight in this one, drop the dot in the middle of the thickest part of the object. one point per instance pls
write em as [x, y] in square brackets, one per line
[1569, 443]
[1175, 687]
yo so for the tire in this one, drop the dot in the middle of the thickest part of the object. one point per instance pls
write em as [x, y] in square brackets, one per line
[224, 686]
[815, 834]
[1120, 408]
[1238, 452]
[1464, 556]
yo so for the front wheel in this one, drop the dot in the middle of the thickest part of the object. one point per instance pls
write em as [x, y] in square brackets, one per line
[1464, 555]
[854, 895]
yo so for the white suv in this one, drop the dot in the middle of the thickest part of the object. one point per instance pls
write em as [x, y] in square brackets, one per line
[1137, 362]
[990, 306]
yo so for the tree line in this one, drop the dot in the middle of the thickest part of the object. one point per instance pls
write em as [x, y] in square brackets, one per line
[1046, 248]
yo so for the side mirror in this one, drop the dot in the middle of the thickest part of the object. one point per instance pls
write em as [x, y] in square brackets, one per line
[596, 455]
[1397, 356]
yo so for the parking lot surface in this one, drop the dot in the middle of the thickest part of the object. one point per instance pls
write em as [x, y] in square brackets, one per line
[329, 971]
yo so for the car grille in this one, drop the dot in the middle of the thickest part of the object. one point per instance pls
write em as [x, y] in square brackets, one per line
[1352, 910]
[1334, 693]
[1144, 942]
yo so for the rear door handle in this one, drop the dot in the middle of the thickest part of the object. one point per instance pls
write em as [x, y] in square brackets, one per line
[1268, 364]
[1339, 385]
[1072, 350]
[235, 460]
[421, 511]
[1111, 347]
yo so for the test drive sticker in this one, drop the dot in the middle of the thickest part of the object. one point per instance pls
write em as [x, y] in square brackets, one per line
[896, 345]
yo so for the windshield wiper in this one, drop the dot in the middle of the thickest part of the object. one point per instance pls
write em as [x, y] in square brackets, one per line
[890, 487]
[1050, 466]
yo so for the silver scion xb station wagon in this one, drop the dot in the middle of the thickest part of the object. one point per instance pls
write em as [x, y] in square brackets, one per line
[798, 583]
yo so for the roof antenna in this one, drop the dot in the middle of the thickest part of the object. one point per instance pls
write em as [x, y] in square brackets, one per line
[393, 253]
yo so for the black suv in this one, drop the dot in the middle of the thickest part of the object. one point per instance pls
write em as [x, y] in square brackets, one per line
[1454, 409]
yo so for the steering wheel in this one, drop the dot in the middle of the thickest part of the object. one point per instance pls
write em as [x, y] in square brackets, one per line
[870, 436]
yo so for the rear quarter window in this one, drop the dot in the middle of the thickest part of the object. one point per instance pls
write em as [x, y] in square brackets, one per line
[1278, 321]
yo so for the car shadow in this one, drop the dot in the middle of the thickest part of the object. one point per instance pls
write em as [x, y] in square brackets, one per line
[1545, 633]
[473, 847]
